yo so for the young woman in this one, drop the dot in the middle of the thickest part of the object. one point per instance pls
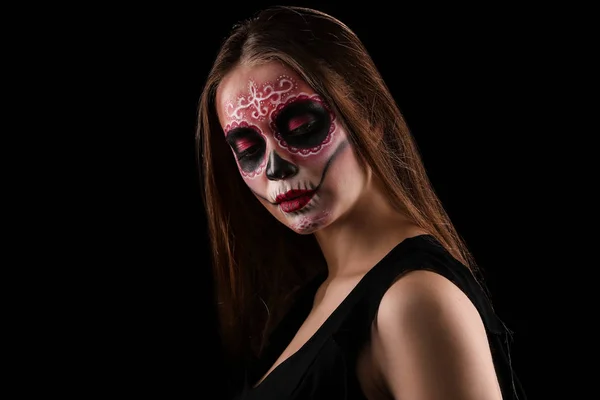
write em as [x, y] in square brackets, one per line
[339, 275]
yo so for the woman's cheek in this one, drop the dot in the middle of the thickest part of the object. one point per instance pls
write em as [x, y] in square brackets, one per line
[317, 161]
[311, 161]
[257, 184]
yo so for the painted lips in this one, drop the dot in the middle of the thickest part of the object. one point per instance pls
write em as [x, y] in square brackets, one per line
[294, 200]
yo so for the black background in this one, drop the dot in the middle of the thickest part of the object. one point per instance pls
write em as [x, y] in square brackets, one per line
[472, 83]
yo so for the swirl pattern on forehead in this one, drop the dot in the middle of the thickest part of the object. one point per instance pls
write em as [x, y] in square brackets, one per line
[295, 150]
[260, 100]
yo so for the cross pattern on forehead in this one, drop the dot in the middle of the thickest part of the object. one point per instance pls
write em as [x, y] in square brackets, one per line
[259, 101]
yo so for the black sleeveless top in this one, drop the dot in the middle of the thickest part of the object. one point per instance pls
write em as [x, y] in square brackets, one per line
[324, 367]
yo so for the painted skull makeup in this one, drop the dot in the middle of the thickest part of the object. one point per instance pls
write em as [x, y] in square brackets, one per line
[285, 140]
[300, 123]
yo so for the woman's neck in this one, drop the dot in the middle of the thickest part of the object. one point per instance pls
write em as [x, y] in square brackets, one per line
[356, 241]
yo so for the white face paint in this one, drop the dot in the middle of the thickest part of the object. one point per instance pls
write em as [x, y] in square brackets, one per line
[290, 150]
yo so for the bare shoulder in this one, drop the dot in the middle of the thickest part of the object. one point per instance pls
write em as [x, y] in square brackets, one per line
[426, 302]
[427, 293]
[429, 342]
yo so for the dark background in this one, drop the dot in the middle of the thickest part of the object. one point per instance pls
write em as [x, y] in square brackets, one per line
[472, 83]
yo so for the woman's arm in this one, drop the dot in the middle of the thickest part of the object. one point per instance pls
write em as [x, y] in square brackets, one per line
[429, 342]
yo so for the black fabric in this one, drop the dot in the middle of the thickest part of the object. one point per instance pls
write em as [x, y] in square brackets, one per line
[324, 368]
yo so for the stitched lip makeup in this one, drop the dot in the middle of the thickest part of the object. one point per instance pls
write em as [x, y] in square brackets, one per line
[294, 200]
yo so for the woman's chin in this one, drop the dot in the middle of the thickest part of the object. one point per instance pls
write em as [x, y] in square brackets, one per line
[305, 224]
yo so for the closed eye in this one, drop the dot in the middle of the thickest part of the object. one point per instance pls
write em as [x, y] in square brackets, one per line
[249, 152]
[303, 123]
[248, 146]
[302, 129]
[243, 144]
[299, 120]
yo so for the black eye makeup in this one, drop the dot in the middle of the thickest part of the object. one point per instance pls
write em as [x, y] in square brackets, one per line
[249, 147]
[303, 123]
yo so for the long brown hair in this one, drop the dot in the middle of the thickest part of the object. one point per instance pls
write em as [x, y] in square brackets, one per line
[258, 262]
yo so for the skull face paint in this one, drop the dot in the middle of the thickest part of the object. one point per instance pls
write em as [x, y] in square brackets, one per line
[289, 147]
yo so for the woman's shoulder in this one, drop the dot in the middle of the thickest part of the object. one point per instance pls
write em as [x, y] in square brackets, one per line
[425, 294]
[427, 281]
[428, 322]
[427, 275]
[434, 307]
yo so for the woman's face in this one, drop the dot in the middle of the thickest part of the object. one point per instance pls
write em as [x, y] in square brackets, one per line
[289, 146]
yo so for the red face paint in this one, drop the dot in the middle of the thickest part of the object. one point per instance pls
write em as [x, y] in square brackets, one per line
[310, 109]
[287, 142]
[297, 122]
[244, 144]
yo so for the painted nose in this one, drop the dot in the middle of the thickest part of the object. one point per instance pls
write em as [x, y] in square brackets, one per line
[278, 168]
